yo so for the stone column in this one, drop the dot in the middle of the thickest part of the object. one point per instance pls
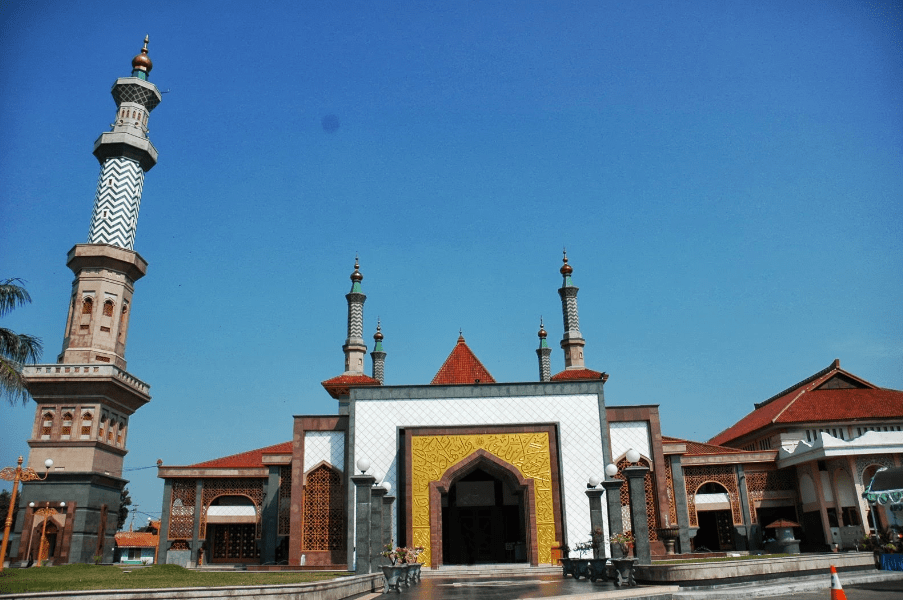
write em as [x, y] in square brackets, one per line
[196, 541]
[635, 482]
[269, 524]
[680, 502]
[615, 524]
[377, 494]
[749, 532]
[388, 538]
[163, 534]
[596, 519]
[363, 485]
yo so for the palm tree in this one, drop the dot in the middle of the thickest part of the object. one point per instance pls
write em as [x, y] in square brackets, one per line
[16, 349]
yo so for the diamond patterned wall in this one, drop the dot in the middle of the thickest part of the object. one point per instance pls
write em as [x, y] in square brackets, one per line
[627, 435]
[376, 423]
[324, 445]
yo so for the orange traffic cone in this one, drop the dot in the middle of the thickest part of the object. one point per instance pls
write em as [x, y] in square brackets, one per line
[836, 589]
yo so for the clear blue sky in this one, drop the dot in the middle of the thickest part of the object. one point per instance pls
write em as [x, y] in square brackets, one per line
[726, 177]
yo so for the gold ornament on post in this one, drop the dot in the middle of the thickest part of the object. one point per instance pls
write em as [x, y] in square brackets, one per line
[16, 475]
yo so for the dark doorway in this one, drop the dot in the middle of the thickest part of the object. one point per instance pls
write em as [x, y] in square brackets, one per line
[483, 521]
[716, 530]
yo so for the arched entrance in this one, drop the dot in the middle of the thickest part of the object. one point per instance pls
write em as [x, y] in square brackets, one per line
[483, 521]
[232, 531]
[486, 513]
[713, 513]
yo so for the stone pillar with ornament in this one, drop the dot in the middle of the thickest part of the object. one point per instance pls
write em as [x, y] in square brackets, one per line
[377, 493]
[363, 484]
[596, 519]
[636, 476]
[612, 489]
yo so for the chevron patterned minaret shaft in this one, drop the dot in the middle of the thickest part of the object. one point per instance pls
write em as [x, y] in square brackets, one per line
[572, 341]
[355, 348]
[116, 203]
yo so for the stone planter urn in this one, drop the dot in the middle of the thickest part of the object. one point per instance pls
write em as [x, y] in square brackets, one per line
[669, 536]
[414, 572]
[623, 568]
[597, 569]
[394, 576]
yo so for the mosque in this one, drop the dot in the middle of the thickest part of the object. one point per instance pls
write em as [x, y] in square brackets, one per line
[471, 469]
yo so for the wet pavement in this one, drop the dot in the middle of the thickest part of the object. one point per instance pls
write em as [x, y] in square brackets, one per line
[513, 587]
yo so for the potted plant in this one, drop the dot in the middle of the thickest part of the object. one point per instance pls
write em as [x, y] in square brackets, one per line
[624, 540]
[394, 573]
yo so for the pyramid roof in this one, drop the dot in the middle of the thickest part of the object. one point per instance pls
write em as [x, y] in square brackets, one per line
[462, 367]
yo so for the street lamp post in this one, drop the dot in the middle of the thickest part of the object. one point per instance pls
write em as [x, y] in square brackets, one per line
[45, 513]
[16, 475]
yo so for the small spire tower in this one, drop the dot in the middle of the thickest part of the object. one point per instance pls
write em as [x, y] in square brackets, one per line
[378, 355]
[85, 400]
[572, 341]
[544, 353]
[355, 348]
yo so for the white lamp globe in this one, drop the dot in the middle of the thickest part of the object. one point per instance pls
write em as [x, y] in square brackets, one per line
[611, 469]
[363, 464]
[594, 481]
[62, 505]
[388, 486]
[48, 463]
[633, 456]
[378, 475]
[31, 504]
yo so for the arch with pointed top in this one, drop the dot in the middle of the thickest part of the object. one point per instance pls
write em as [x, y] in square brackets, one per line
[481, 459]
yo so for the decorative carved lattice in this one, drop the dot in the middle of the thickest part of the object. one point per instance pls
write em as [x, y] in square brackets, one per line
[672, 502]
[324, 510]
[695, 477]
[214, 488]
[863, 463]
[760, 482]
[432, 456]
[181, 511]
[649, 490]
[285, 500]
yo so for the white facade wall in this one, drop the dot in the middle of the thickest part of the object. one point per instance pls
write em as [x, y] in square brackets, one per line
[376, 424]
[326, 446]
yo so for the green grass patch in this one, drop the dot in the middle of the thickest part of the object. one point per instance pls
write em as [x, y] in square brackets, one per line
[106, 577]
[720, 559]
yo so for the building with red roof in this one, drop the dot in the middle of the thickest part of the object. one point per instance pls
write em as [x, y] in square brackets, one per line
[477, 470]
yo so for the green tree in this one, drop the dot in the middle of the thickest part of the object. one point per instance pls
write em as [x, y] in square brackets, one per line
[16, 349]
[125, 501]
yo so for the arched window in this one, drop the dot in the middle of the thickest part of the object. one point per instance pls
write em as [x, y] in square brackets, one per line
[101, 428]
[119, 433]
[108, 308]
[87, 419]
[88, 305]
[122, 319]
[46, 425]
[324, 521]
[110, 431]
[66, 431]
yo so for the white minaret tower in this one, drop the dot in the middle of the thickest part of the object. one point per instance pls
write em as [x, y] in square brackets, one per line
[355, 348]
[572, 341]
[85, 400]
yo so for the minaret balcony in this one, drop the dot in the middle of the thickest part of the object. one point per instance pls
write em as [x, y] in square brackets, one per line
[73, 381]
[114, 144]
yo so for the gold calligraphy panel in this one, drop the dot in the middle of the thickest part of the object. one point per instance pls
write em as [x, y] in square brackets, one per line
[432, 456]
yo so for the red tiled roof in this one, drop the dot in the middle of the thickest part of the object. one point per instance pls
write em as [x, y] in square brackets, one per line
[249, 459]
[136, 539]
[814, 400]
[578, 374]
[697, 448]
[340, 386]
[461, 367]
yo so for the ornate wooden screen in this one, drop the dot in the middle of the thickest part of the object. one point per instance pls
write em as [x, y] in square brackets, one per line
[213, 488]
[285, 500]
[760, 482]
[181, 511]
[672, 499]
[695, 477]
[649, 489]
[324, 511]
